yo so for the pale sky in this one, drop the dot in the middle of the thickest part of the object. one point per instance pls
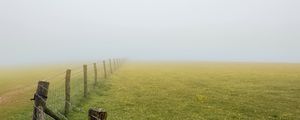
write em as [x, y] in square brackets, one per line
[41, 31]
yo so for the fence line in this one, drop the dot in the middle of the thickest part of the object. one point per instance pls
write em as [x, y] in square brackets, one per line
[57, 99]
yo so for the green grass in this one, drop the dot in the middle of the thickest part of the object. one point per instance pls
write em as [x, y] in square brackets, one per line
[187, 91]
[17, 87]
[193, 91]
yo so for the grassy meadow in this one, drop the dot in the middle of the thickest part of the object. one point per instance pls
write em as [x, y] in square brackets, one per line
[17, 86]
[174, 91]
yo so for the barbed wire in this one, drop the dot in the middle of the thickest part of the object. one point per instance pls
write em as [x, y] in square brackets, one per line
[56, 95]
[48, 106]
[54, 76]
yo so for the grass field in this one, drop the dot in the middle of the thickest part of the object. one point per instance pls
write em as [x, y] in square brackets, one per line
[176, 91]
[17, 86]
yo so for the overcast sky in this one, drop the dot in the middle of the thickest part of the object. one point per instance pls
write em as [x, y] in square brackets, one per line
[38, 31]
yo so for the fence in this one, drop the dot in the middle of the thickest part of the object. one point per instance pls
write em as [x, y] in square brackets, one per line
[56, 96]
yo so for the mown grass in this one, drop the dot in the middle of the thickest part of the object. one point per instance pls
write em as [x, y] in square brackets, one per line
[192, 91]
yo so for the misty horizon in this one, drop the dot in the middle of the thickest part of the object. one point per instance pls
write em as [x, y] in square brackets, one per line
[60, 31]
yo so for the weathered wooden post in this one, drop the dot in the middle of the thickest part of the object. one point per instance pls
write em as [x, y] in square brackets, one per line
[97, 114]
[96, 73]
[111, 70]
[40, 115]
[85, 80]
[104, 69]
[67, 91]
[40, 98]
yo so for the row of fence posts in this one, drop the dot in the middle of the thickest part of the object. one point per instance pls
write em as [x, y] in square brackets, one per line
[40, 109]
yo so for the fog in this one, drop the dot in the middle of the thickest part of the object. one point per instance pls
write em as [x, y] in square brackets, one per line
[41, 31]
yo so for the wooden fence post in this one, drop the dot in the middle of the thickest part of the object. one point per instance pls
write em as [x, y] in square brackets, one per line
[111, 71]
[67, 91]
[97, 114]
[96, 73]
[85, 80]
[40, 98]
[40, 115]
[104, 69]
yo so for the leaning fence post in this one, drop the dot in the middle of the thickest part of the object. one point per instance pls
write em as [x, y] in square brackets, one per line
[96, 73]
[104, 69]
[85, 80]
[67, 91]
[97, 114]
[40, 98]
